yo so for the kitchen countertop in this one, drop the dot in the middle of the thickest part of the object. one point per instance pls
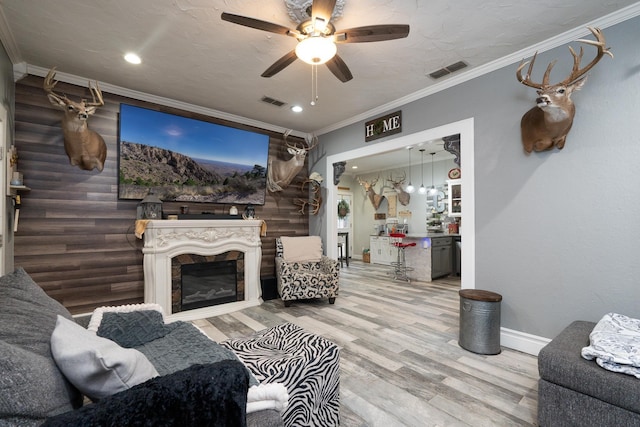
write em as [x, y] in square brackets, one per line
[423, 235]
[420, 235]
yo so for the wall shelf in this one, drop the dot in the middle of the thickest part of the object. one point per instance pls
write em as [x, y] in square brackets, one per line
[19, 188]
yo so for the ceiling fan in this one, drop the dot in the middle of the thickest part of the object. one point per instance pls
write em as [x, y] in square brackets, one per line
[317, 38]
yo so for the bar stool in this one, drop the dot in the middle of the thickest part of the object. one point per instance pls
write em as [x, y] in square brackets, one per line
[400, 266]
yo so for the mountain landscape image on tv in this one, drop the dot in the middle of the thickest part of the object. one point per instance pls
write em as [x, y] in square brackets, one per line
[181, 159]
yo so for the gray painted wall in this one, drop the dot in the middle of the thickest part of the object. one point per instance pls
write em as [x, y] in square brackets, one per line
[557, 232]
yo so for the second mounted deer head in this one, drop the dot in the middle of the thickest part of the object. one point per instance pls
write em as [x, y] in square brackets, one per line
[403, 196]
[84, 147]
[374, 198]
[547, 124]
[280, 173]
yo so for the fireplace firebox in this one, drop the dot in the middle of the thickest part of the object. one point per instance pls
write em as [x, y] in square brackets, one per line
[208, 283]
[204, 281]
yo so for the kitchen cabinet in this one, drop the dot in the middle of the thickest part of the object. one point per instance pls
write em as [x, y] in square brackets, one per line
[441, 256]
[455, 197]
[381, 250]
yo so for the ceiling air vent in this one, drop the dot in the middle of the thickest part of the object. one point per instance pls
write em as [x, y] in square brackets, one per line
[273, 101]
[448, 69]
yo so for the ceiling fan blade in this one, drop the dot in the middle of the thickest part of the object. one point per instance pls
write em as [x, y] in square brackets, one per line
[372, 33]
[339, 69]
[323, 9]
[280, 64]
[256, 23]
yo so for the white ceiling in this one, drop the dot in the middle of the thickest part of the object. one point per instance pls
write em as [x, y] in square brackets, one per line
[192, 57]
[399, 159]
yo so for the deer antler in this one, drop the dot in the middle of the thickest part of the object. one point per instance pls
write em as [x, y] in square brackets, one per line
[311, 142]
[399, 181]
[600, 43]
[50, 84]
[576, 72]
[285, 137]
[95, 92]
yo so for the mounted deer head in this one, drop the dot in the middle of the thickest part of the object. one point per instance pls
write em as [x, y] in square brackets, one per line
[84, 147]
[374, 198]
[548, 124]
[281, 172]
[403, 196]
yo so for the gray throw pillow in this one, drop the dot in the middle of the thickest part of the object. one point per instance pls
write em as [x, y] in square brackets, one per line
[97, 366]
[33, 387]
[134, 328]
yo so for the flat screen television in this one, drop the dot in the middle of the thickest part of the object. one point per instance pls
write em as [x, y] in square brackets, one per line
[181, 159]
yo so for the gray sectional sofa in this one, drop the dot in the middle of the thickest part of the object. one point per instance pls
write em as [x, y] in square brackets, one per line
[34, 390]
[573, 391]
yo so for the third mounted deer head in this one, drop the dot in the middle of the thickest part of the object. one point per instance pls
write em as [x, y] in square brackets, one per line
[547, 124]
[374, 198]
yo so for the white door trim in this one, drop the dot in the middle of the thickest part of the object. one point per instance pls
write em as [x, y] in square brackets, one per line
[466, 131]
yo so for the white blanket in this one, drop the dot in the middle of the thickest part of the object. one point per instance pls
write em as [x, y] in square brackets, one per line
[263, 396]
[615, 344]
[267, 396]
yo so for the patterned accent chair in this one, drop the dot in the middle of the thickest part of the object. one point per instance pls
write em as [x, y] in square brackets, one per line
[303, 272]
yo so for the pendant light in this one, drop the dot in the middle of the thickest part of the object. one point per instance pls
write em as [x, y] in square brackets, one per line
[432, 190]
[422, 189]
[410, 188]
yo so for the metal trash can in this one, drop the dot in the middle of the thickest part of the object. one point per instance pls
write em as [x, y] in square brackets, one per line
[480, 321]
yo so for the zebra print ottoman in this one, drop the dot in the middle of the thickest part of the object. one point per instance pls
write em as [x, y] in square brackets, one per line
[307, 364]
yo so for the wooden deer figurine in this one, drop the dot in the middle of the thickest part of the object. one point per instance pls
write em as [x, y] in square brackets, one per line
[374, 198]
[280, 173]
[403, 196]
[547, 124]
[84, 147]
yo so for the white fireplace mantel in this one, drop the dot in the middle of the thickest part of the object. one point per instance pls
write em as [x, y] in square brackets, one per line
[165, 239]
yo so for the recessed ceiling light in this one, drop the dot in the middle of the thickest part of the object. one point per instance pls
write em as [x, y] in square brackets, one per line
[296, 109]
[354, 167]
[132, 58]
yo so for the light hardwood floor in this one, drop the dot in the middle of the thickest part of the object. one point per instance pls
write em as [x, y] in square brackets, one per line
[400, 360]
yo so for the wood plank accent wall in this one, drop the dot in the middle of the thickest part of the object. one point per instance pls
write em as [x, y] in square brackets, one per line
[75, 238]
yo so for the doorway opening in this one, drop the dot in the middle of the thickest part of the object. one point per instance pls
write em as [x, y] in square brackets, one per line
[465, 129]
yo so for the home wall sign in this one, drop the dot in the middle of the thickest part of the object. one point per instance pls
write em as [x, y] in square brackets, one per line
[383, 126]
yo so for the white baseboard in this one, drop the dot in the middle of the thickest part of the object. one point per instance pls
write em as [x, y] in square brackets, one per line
[521, 341]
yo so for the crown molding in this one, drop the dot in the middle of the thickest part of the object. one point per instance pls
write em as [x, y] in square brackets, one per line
[614, 18]
[22, 69]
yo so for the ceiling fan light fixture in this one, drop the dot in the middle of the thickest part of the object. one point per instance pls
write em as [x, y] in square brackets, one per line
[316, 50]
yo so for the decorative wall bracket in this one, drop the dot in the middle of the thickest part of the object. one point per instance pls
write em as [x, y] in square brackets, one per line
[338, 170]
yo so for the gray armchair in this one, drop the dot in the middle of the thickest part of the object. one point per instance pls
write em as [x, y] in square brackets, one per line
[298, 278]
